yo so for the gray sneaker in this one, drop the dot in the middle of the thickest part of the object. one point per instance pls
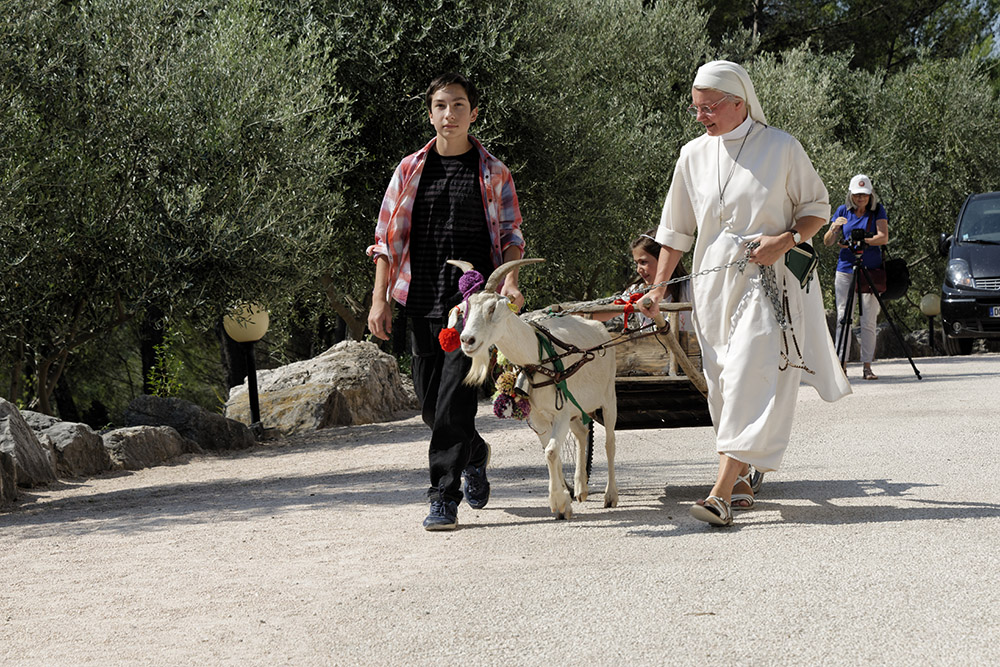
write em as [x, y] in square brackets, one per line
[443, 515]
[475, 485]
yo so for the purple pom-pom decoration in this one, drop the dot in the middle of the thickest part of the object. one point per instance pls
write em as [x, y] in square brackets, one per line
[469, 282]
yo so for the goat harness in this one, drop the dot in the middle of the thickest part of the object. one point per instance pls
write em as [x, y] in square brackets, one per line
[557, 374]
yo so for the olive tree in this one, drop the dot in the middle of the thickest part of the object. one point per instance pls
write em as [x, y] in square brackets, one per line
[177, 156]
[599, 134]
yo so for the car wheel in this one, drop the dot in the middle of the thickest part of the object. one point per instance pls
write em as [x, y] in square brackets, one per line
[958, 346]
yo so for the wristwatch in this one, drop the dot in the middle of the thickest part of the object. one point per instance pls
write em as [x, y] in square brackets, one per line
[796, 236]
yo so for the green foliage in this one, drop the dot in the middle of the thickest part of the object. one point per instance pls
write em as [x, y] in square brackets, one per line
[176, 154]
[164, 376]
[597, 135]
[885, 36]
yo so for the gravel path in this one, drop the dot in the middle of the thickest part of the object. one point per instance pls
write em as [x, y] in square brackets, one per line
[875, 543]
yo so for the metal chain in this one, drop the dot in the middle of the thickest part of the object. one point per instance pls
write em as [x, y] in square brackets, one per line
[740, 263]
[768, 279]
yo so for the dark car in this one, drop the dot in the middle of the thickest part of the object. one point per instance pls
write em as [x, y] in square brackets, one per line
[970, 295]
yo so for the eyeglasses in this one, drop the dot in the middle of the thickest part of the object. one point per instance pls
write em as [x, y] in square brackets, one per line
[707, 110]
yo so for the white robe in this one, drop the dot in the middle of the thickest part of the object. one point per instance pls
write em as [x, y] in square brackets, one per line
[774, 184]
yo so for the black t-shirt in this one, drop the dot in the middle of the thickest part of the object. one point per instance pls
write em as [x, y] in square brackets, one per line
[448, 222]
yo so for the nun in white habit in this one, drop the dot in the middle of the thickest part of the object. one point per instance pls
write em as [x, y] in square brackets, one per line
[745, 189]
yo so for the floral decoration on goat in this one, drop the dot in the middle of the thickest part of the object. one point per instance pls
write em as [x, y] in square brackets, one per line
[510, 400]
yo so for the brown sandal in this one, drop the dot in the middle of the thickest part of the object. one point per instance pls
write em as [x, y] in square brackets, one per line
[868, 374]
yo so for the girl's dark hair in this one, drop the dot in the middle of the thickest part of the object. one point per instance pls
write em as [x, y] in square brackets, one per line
[448, 79]
[647, 241]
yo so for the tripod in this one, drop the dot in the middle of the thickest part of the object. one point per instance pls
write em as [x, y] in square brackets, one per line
[843, 341]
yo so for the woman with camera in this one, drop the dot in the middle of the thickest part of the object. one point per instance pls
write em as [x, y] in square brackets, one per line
[860, 227]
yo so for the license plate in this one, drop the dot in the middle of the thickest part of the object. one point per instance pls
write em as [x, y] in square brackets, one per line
[994, 311]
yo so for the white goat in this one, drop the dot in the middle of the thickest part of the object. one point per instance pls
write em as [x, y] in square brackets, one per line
[489, 321]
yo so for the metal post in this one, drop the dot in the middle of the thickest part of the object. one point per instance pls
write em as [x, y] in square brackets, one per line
[252, 387]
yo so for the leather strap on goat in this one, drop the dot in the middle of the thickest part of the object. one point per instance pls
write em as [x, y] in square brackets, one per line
[557, 374]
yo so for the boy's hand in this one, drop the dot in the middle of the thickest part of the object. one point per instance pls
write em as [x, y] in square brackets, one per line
[380, 319]
[514, 294]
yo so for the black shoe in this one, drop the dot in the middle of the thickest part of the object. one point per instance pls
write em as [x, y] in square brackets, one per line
[476, 487]
[443, 515]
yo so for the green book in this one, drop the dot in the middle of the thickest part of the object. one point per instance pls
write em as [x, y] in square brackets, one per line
[801, 261]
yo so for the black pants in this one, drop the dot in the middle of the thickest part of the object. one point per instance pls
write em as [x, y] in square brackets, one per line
[448, 406]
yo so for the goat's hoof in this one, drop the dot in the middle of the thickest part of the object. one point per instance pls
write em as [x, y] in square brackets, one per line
[611, 502]
[582, 497]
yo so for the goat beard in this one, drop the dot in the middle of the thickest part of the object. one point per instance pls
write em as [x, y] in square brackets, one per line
[480, 368]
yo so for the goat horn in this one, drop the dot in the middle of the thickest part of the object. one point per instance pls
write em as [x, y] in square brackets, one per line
[462, 264]
[494, 280]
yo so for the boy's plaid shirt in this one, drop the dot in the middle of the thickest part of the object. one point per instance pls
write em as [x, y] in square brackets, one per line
[392, 233]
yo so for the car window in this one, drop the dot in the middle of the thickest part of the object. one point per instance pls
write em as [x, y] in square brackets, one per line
[981, 221]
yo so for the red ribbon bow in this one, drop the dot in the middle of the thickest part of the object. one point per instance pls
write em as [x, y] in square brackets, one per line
[629, 305]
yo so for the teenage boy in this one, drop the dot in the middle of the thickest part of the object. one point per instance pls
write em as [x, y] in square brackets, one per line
[449, 200]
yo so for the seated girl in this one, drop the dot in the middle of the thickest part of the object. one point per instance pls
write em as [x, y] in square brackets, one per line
[645, 254]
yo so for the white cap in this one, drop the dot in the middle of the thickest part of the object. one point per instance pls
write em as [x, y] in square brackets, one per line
[861, 185]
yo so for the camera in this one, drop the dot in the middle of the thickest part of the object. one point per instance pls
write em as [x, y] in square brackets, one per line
[859, 235]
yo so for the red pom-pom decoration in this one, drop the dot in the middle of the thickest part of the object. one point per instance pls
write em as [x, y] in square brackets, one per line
[449, 340]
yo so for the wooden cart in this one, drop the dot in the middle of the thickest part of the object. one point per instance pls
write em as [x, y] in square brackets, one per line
[659, 383]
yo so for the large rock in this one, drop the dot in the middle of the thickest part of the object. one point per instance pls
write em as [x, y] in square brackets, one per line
[136, 447]
[211, 431]
[8, 479]
[78, 448]
[34, 461]
[351, 383]
[39, 421]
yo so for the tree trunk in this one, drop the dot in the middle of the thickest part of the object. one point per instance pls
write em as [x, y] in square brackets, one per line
[347, 308]
[17, 370]
[48, 374]
[65, 404]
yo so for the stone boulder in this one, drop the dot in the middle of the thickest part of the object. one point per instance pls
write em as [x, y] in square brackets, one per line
[34, 460]
[137, 447]
[39, 421]
[78, 448]
[211, 431]
[8, 479]
[351, 383]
